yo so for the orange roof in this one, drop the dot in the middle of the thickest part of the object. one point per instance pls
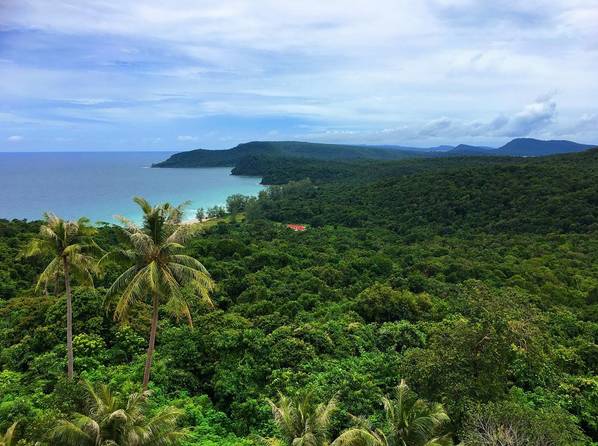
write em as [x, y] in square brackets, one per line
[297, 227]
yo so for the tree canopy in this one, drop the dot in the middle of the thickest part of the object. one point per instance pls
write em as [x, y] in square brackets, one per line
[474, 280]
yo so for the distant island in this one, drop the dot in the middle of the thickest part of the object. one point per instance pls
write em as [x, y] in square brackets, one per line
[520, 147]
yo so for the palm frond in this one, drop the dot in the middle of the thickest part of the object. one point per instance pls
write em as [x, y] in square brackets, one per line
[189, 261]
[112, 422]
[84, 268]
[324, 414]
[38, 247]
[301, 421]
[9, 437]
[143, 204]
[445, 440]
[174, 214]
[142, 243]
[182, 234]
[134, 288]
[271, 441]
[119, 256]
[51, 272]
[129, 225]
[358, 437]
[70, 434]
[186, 275]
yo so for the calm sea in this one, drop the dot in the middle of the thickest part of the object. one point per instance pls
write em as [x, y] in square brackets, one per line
[101, 185]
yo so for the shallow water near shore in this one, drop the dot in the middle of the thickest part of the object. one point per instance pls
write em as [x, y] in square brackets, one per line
[101, 185]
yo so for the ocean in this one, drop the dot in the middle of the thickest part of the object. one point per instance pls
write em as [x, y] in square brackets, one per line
[101, 185]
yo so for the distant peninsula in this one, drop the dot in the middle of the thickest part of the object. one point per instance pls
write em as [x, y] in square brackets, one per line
[285, 149]
[346, 152]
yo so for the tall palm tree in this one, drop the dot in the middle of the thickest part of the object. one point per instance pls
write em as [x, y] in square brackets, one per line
[70, 246]
[302, 422]
[158, 271]
[113, 421]
[409, 421]
[9, 439]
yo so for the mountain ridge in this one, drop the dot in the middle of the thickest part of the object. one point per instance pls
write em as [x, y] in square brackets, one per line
[520, 147]
[294, 149]
[523, 147]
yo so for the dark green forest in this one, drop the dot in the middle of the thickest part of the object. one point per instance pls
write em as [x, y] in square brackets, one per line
[309, 151]
[285, 149]
[428, 302]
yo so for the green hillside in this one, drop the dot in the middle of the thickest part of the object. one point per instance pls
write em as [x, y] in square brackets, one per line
[295, 149]
[520, 147]
[475, 280]
[548, 194]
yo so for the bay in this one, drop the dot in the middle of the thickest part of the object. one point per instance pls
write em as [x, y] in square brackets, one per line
[101, 185]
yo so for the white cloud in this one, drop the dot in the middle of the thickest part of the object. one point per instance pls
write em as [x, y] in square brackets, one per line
[264, 24]
[529, 121]
[429, 69]
[14, 138]
[580, 21]
[587, 122]
[437, 127]
[533, 117]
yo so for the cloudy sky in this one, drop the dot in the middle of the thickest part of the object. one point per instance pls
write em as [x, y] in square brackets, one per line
[155, 74]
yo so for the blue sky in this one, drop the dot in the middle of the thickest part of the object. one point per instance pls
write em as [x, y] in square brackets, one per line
[184, 74]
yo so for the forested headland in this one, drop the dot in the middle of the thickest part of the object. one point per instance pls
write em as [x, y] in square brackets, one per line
[427, 302]
[523, 147]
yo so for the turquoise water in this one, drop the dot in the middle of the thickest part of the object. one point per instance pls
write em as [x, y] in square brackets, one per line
[101, 185]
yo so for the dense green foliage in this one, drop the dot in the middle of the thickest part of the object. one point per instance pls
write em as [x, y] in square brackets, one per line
[302, 421]
[515, 195]
[407, 420]
[294, 149]
[474, 280]
[245, 154]
[111, 420]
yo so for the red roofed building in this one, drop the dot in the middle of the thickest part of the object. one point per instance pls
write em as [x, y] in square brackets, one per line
[297, 227]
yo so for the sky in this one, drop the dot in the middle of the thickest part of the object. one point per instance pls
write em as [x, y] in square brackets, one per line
[96, 75]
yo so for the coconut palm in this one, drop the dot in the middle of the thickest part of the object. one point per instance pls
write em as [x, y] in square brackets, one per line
[114, 421]
[409, 421]
[302, 422]
[9, 439]
[69, 245]
[157, 270]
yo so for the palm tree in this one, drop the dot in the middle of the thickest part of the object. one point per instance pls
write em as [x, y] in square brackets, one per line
[302, 422]
[69, 245]
[112, 421]
[409, 421]
[9, 439]
[158, 271]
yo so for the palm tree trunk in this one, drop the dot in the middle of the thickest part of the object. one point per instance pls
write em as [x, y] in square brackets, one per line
[69, 320]
[152, 342]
